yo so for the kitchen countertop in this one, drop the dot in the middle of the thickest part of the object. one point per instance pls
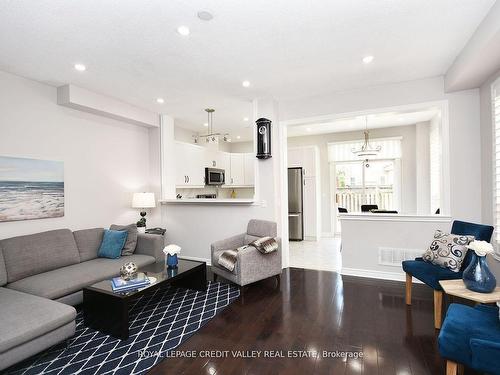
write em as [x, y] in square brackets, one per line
[207, 201]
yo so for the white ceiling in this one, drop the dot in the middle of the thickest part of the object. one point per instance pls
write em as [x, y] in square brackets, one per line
[375, 121]
[285, 48]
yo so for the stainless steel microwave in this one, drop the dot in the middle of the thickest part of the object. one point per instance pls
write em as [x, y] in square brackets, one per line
[215, 176]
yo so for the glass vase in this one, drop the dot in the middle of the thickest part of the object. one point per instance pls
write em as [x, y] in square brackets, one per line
[477, 276]
[172, 261]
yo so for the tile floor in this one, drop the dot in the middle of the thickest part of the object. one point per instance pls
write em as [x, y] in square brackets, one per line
[316, 255]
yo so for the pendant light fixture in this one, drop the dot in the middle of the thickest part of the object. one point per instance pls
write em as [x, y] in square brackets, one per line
[212, 136]
[366, 150]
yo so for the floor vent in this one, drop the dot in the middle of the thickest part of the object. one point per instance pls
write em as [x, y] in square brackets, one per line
[392, 256]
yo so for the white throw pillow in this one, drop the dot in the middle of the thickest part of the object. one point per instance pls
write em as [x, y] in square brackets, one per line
[447, 250]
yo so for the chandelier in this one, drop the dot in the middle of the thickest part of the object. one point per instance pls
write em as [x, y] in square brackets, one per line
[366, 150]
[211, 136]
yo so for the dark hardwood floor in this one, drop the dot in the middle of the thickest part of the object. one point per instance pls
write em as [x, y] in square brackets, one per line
[319, 311]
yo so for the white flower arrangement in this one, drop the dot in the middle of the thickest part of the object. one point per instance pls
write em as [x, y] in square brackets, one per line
[172, 249]
[481, 248]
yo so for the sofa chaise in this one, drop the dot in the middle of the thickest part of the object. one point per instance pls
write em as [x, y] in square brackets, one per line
[42, 276]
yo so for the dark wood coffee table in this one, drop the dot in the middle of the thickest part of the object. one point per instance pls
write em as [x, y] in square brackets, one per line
[108, 311]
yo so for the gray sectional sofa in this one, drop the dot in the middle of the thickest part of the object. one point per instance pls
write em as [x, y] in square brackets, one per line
[42, 276]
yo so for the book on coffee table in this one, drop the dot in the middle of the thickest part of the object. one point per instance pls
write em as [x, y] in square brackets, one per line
[120, 285]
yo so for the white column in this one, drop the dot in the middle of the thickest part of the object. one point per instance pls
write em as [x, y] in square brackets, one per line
[161, 172]
[422, 147]
[167, 157]
[272, 185]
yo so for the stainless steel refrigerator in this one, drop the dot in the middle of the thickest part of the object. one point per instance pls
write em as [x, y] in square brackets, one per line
[295, 204]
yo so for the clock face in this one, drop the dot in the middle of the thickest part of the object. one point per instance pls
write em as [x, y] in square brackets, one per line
[262, 130]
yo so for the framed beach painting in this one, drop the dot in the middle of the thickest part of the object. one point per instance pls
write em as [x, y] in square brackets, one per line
[31, 189]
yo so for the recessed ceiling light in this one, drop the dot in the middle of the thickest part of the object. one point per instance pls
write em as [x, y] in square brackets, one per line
[205, 124]
[238, 137]
[308, 129]
[80, 67]
[245, 119]
[245, 83]
[205, 16]
[368, 59]
[160, 100]
[183, 30]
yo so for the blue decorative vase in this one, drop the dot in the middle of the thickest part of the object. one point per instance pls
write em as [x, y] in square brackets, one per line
[172, 261]
[477, 276]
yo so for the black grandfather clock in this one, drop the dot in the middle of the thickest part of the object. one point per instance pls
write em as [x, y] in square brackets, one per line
[263, 138]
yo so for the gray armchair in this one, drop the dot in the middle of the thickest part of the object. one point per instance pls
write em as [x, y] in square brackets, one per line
[251, 265]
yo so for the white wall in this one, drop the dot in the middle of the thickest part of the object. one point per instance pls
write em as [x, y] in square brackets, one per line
[360, 253]
[408, 165]
[487, 149]
[105, 161]
[464, 128]
[241, 147]
[487, 159]
[184, 135]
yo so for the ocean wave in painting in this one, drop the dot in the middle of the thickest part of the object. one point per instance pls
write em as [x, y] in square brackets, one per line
[23, 200]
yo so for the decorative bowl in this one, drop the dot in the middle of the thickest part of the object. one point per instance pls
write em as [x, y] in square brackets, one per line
[128, 271]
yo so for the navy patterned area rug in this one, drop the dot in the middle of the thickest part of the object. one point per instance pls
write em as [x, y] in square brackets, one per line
[159, 324]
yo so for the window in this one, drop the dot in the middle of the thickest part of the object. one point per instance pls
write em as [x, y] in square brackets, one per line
[376, 181]
[370, 182]
[496, 177]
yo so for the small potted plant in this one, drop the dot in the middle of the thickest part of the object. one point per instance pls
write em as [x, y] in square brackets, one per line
[141, 225]
[477, 276]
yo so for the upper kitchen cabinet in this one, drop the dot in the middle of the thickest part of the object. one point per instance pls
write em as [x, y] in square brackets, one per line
[190, 171]
[249, 166]
[237, 170]
[305, 157]
[217, 159]
[193, 159]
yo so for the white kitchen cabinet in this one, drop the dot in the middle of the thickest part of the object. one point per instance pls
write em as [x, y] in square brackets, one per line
[305, 157]
[193, 159]
[236, 175]
[190, 171]
[249, 168]
[294, 157]
[217, 159]
[309, 207]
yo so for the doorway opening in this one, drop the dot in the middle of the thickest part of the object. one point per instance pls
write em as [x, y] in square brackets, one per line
[408, 174]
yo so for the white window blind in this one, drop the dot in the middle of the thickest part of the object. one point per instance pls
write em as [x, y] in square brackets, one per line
[496, 114]
[342, 151]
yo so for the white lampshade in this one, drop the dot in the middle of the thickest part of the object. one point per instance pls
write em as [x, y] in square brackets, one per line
[143, 200]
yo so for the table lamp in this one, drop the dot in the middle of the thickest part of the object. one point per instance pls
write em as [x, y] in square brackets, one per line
[142, 201]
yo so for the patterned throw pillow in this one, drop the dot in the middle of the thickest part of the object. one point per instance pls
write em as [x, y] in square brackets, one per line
[447, 250]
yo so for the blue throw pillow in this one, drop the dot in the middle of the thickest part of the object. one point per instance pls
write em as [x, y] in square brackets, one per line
[112, 243]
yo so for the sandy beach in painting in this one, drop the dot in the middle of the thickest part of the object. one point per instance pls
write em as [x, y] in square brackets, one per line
[23, 200]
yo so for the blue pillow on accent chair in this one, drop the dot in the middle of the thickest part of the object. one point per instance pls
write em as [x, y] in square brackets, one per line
[112, 243]
[430, 274]
[470, 336]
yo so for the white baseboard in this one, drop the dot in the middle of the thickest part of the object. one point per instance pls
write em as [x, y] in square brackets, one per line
[373, 274]
[310, 238]
[207, 261]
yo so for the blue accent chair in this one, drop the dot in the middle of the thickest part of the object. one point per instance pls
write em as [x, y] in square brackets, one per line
[470, 336]
[430, 274]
